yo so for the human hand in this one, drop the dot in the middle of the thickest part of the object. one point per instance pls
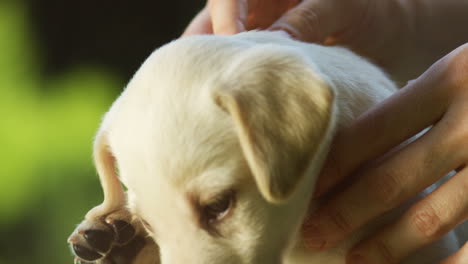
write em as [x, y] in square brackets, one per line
[226, 17]
[361, 25]
[404, 37]
[437, 99]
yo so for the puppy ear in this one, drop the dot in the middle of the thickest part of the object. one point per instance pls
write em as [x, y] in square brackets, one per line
[282, 113]
[114, 196]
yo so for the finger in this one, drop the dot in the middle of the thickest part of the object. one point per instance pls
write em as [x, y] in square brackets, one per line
[228, 16]
[262, 14]
[302, 22]
[314, 20]
[460, 257]
[201, 24]
[426, 222]
[385, 186]
[417, 106]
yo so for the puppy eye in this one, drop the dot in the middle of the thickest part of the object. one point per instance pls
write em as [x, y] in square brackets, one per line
[218, 208]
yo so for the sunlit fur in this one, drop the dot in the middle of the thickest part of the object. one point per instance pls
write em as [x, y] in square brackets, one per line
[254, 113]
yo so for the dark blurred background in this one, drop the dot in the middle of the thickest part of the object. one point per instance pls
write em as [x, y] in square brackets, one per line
[62, 63]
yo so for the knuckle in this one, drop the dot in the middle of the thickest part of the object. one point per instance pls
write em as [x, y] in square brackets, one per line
[340, 220]
[306, 15]
[455, 72]
[386, 189]
[451, 148]
[303, 24]
[387, 254]
[455, 127]
[427, 223]
[435, 158]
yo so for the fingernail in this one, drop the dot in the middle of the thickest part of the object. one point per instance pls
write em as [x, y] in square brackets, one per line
[313, 238]
[357, 259]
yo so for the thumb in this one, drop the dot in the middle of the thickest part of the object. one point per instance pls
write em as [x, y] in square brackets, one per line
[228, 16]
[312, 20]
[201, 24]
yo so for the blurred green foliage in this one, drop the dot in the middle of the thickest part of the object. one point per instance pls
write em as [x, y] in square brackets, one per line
[47, 179]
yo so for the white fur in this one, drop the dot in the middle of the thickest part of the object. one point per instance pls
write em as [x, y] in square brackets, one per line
[254, 112]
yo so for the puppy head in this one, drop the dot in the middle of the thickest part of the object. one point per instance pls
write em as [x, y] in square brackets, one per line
[214, 138]
[281, 111]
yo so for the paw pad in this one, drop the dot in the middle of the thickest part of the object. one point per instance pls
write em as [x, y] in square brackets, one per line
[103, 241]
[124, 231]
[86, 253]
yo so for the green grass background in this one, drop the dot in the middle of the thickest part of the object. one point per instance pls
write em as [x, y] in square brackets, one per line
[47, 181]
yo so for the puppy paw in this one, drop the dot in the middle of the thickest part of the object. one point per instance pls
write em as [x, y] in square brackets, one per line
[115, 238]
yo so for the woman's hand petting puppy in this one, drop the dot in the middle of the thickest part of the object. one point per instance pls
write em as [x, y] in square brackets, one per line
[226, 17]
[437, 99]
[405, 37]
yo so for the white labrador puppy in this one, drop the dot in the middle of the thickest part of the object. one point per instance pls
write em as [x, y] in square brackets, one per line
[219, 141]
